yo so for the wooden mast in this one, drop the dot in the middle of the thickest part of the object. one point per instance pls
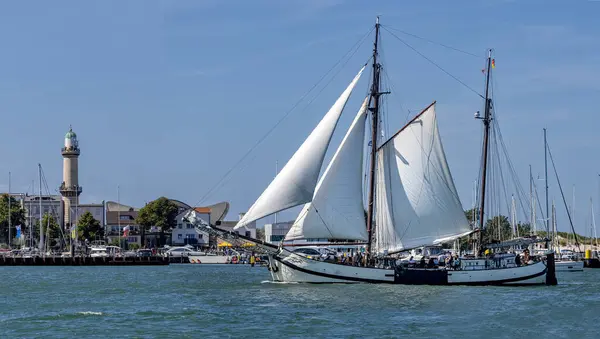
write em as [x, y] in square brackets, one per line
[486, 131]
[375, 124]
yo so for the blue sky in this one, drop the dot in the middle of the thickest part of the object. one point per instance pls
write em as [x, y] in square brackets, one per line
[167, 95]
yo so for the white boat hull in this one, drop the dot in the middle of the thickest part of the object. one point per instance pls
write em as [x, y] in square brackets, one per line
[569, 266]
[209, 259]
[286, 266]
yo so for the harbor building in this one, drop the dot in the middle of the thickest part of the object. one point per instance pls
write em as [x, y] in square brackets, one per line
[276, 232]
[97, 211]
[52, 205]
[185, 233]
[249, 230]
[119, 216]
[69, 188]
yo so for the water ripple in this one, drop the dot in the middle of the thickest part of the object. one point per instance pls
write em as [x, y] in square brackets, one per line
[191, 301]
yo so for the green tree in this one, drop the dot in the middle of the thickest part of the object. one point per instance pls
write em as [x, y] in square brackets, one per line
[89, 228]
[471, 217]
[260, 234]
[496, 229]
[54, 233]
[161, 213]
[119, 242]
[17, 216]
[133, 246]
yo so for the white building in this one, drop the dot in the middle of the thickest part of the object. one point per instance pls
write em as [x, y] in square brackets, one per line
[97, 211]
[275, 233]
[50, 204]
[185, 233]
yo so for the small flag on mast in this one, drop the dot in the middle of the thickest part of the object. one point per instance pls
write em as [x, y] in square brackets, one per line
[493, 63]
[73, 232]
[18, 228]
[126, 231]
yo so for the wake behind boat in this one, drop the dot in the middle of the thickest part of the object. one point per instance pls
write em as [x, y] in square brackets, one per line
[412, 202]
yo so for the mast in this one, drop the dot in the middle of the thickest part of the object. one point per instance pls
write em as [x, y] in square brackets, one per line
[572, 213]
[554, 233]
[593, 225]
[546, 179]
[375, 124]
[9, 213]
[119, 213]
[486, 134]
[532, 213]
[276, 171]
[42, 243]
[31, 216]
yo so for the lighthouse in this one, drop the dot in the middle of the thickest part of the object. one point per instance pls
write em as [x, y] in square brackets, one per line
[70, 189]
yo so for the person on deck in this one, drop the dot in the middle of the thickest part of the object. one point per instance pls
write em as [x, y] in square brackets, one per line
[517, 260]
[526, 257]
[431, 263]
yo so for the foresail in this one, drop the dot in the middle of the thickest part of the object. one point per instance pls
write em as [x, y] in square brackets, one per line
[337, 211]
[416, 201]
[296, 182]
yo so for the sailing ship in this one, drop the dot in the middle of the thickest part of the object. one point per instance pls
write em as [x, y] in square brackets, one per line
[412, 202]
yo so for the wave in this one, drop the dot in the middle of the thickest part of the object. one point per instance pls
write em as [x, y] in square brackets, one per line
[90, 313]
[278, 282]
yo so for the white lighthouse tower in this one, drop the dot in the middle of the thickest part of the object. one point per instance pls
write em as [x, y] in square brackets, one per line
[70, 189]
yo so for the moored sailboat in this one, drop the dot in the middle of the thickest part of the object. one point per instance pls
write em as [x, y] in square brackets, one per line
[412, 202]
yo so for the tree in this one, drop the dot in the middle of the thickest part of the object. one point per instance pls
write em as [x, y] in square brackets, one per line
[472, 215]
[17, 216]
[497, 228]
[89, 228]
[161, 213]
[260, 234]
[54, 231]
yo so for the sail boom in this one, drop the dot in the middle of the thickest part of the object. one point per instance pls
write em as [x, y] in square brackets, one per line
[405, 126]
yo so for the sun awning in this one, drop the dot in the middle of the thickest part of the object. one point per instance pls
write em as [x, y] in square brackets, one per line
[223, 243]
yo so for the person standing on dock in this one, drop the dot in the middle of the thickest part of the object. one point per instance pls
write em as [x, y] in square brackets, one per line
[252, 260]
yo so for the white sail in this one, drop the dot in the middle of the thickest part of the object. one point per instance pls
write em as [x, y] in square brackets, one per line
[337, 211]
[296, 182]
[416, 200]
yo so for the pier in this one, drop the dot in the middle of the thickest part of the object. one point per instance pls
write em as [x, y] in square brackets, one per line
[84, 261]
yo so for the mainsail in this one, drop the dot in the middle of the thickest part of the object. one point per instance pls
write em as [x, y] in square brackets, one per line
[337, 211]
[416, 200]
[295, 184]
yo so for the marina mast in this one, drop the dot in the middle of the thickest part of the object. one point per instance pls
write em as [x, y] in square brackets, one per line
[486, 131]
[374, 102]
[546, 182]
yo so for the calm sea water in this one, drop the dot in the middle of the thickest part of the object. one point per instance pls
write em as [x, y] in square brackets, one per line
[192, 301]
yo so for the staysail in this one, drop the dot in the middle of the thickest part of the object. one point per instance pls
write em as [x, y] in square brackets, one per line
[337, 211]
[295, 184]
[416, 201]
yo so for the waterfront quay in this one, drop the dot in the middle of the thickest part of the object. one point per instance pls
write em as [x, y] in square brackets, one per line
[83, 261]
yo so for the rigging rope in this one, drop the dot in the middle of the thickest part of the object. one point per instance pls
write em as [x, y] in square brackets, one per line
[433, 42]
[433, 63]
[563, 197]
[347, 55]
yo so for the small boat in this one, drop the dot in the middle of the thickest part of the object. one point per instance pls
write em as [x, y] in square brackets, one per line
[569, 266]
[209, 258]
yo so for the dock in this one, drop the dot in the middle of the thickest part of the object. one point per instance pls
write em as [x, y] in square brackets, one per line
[84, 261]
